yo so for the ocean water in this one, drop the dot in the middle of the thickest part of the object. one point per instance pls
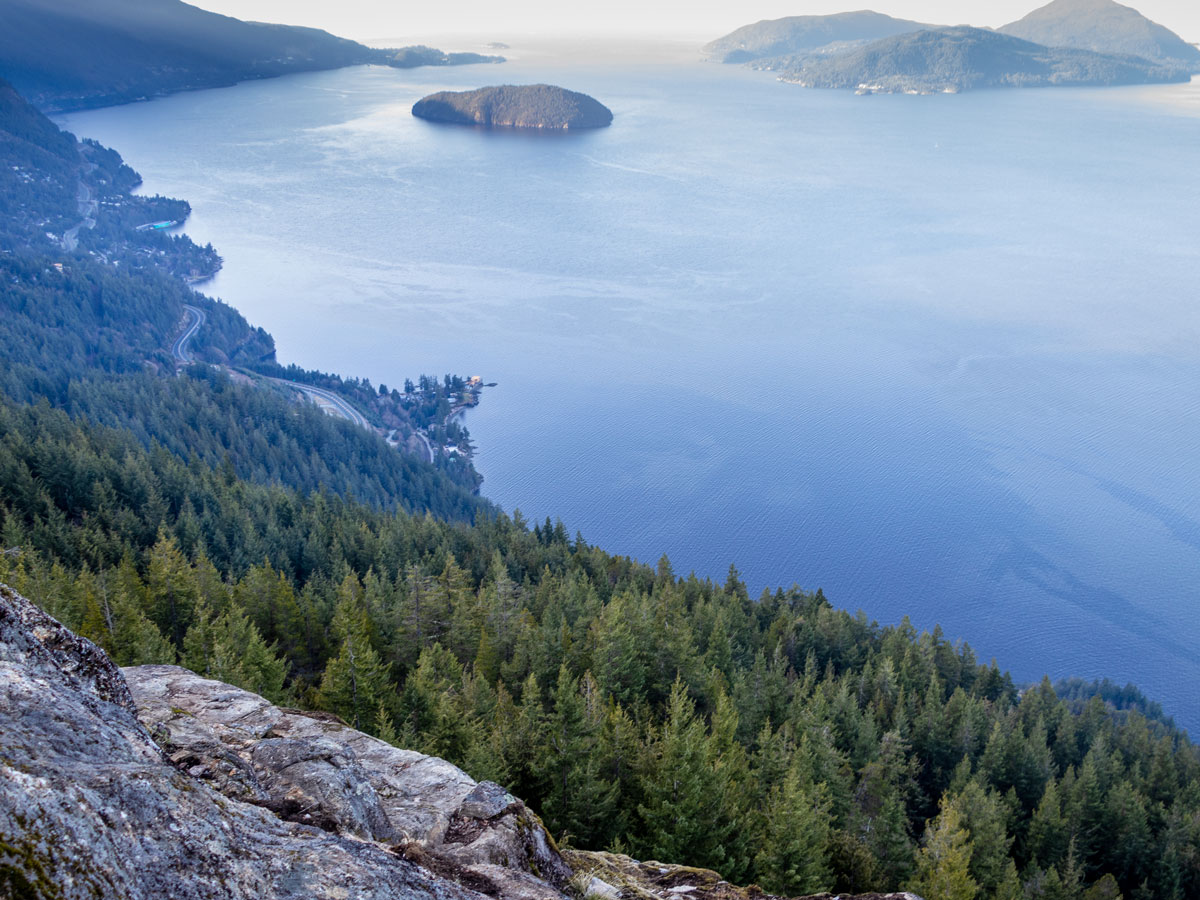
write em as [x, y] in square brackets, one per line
[939, 356]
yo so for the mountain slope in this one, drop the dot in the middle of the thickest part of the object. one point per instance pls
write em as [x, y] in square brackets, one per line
[964, 58]
[801, 34]
[92, 303]
[72, 54]
[1104, 26]
[777, 741]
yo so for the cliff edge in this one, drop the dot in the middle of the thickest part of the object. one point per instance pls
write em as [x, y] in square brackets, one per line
[152, 782]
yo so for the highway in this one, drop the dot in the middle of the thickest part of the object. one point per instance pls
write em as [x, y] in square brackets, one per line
[425, 441]
[328, 401]
[87, 209]
[195, 318]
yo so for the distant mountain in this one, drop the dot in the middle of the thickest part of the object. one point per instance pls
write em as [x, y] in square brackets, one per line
[73, 54]
[964, 58]
[515, 106]
[803, 34]
[1105, 27]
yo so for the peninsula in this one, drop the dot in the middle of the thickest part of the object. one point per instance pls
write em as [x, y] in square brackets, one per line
[515, 106]
[81, 54]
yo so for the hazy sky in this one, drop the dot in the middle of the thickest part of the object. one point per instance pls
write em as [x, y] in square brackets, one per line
[367, 19]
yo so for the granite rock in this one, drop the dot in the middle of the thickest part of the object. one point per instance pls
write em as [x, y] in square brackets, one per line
[90, 806]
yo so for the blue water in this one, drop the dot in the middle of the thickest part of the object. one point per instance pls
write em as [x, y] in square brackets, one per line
[936, 355]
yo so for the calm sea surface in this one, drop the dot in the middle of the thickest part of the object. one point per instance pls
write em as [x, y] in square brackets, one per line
[936, 355]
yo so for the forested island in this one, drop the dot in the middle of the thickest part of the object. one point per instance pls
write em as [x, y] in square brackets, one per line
[949, 60]
[77, 54]
[515, 106]
[1067, 43]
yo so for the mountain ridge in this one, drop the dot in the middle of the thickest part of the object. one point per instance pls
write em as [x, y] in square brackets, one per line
[77, 54]
[798, 34]
[1104, 26]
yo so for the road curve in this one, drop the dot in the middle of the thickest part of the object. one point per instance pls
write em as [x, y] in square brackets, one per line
[194, 318]
[329, 401]
[425, 441]
[326, 400]
[87, 209]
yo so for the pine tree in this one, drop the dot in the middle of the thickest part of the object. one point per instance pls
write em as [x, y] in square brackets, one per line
[171, 587]
[229, 648]
[385, 727]
[682, 797]
[579, 798]
[355, 681]
[793, 858]
[136, 641]
[1048, 829]
[432, 704]
[943, 864]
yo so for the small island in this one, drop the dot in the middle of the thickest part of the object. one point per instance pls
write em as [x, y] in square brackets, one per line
[515, 106]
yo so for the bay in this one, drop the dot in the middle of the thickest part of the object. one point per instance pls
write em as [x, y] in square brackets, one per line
[935, 355]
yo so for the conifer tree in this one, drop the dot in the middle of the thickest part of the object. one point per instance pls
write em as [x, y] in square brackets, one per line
[943, 864]
[355, 681]
[681, 795]
[171, 587]
[1049, 832]
[793, 858]
[136, 641]
[229, 648]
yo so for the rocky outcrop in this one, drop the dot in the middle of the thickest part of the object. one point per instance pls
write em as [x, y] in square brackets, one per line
[314, 769]
[613, 876]
[90, 806]
[153, 782]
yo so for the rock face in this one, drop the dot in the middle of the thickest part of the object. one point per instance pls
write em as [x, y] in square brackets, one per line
[314, 769]
[90, 806]
[515, 106]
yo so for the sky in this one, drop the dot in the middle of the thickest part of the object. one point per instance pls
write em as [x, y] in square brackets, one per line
[699, 19]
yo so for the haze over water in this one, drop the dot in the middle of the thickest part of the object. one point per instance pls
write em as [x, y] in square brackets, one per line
[936, 355]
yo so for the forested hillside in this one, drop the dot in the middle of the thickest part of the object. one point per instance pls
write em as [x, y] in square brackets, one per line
[775, 739]
[73, 54]
[964, 59]
[87, 321]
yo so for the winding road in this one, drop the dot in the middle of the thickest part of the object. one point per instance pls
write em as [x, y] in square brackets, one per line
[328, 401]
[87, 209]
[194, 318]
[428, 446]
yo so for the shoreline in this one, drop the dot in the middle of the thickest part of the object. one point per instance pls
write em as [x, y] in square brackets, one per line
[331, 402]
